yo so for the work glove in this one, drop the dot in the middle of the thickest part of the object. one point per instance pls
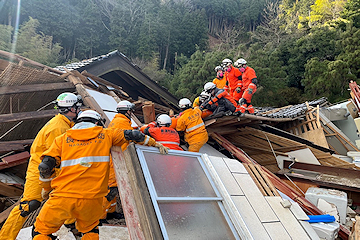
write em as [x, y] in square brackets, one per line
[242, 101]
[45, 193]
[112, 193]
[162, 149]
[238, 89]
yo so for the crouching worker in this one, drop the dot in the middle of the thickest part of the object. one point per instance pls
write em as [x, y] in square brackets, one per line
[203, 97]
[83, 155]
[191, 123]
[220, 100]
[163, 133]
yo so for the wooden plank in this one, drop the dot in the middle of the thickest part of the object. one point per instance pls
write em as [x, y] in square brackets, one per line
[8, 147]
[149, 112]
[355, 233]
[4, 214]
[251, 219]
[260, 180]
[255, 198]
[276, 231]
[225, 175]
[267, 180]
[9, 191]
[255, 180]
[139, 212]
[288, 220]
[14, 117]
[127, 195]
[35, 88]
[14, 160]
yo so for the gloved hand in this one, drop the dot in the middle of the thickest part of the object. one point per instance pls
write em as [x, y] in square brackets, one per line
[242, 101]
[238, 89]
[45, 193]
[112, 193]
[162, 149]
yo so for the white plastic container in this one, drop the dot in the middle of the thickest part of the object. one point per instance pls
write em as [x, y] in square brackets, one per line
[328, 231]
[336, 197]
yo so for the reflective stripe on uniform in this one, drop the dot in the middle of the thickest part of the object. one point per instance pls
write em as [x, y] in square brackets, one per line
[72, 162]
[165, 142]
[147, 138]
[195, 127]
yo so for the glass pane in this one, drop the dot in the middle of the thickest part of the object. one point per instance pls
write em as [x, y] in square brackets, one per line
[200, 220]
[178, 176]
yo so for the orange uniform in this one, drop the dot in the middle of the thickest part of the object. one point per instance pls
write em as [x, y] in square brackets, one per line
[220, 83]
[205, 113]
[234, 81]
[32, 189]
[120, 121]
[167, 136]
[195, 132]
[224, 102]
[248, 90]
[84, 156]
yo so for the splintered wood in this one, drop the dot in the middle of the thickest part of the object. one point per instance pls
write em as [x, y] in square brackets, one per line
[261, 180]
[310, 128]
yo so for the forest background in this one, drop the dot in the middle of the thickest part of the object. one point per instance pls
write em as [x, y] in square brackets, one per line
[300, 49]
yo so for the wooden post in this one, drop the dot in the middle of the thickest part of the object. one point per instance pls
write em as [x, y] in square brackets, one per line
[149, 112]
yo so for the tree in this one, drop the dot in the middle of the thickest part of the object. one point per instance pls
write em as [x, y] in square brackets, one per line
[37, 46]
[5, 37]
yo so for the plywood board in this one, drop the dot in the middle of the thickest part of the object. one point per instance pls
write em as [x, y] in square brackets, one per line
[225, 175]
[317, 136]
[291, 224]
[251, 219]
[255, 198]
[235, 166]
[276, 231]
[304, 156]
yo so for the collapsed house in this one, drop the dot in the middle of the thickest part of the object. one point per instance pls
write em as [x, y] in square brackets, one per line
[248, 182]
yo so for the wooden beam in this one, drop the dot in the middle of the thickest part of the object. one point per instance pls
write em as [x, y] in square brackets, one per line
[14, 117]
[135, 198]
[9, 191]
[4, 214]
[14, 160]
[35, 88]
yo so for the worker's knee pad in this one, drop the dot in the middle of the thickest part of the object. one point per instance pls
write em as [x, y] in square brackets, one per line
[36, 235]
[28, 207]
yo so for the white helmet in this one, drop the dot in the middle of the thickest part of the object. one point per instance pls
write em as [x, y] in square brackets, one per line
[89, 115]
[209, 86]
[239, 62]
[218, 68]
[204, 96]
[67, 100]
[124, 106]
[226, 62]
[163, 120]
[184, 103]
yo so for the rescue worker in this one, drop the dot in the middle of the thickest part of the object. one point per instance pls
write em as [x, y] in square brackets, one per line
[220, 80]
[220, 100]
[163, 133]
[122, 120]
[249, 85]
[190, 122]
[203, 97]
[83, 155]
[233, 76]
[68, 105]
